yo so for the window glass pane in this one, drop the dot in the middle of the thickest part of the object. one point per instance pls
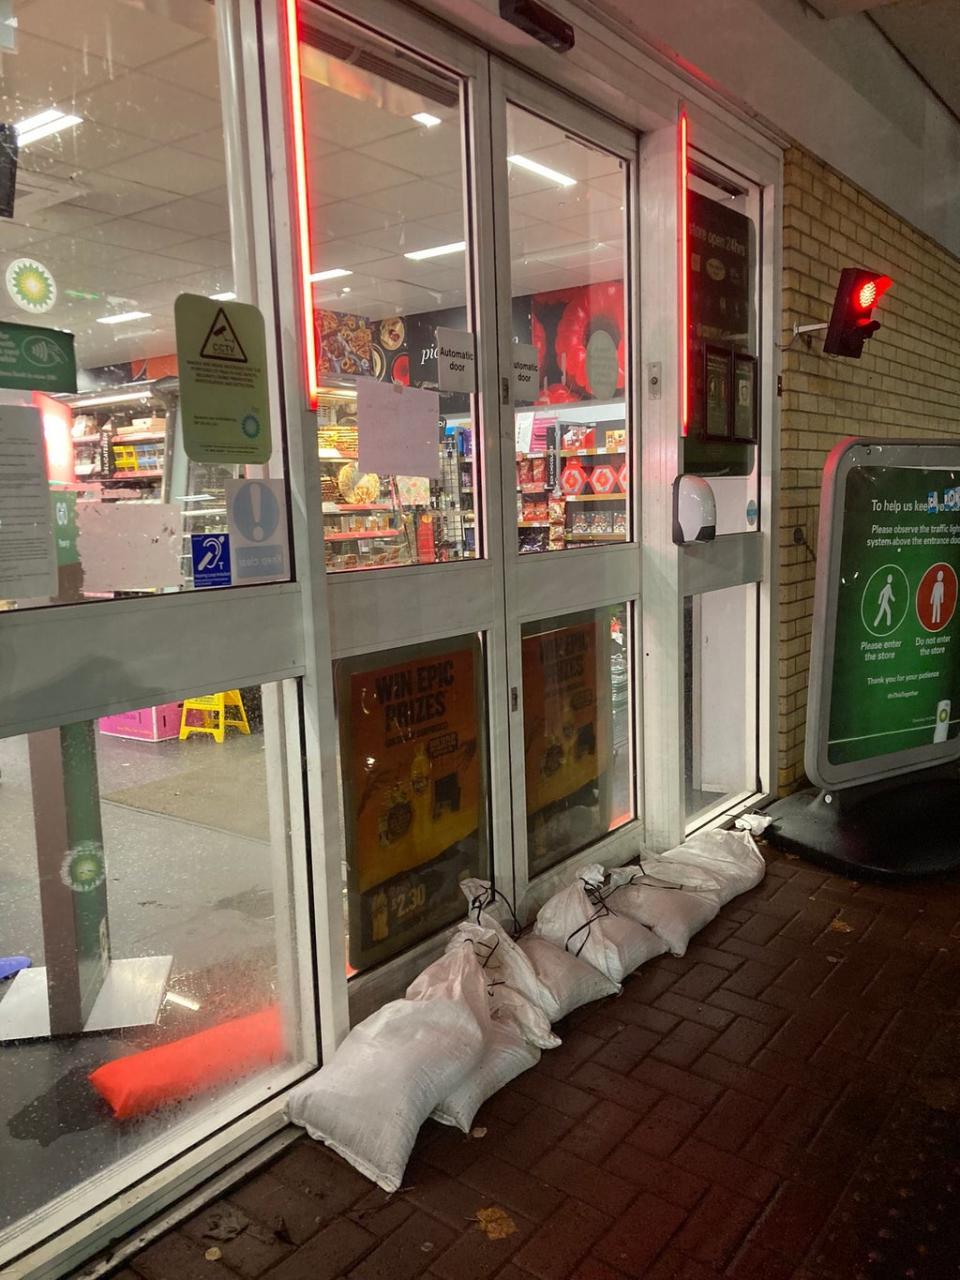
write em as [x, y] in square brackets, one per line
[390, 263]
[413, 760]
[119, 206]
[144, 901]
[724, 371]
[568, 220]
[720, 697]
[577, 735]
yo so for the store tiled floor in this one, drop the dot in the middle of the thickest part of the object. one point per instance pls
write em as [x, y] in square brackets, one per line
[781, 1104]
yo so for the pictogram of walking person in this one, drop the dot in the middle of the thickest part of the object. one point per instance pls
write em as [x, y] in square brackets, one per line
[936, 598]
[885, 599]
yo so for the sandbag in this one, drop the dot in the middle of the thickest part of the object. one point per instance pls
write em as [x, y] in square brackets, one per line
[369, 1101]
[719, 863]
[580, 919]
[674, 914]
[507, 1055]
[192, 1065]
[565, 981]
[512, 987]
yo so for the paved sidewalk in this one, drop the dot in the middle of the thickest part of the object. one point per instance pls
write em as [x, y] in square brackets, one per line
[781, 1104]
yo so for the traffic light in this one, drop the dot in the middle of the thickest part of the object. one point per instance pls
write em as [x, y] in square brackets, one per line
[858, 293]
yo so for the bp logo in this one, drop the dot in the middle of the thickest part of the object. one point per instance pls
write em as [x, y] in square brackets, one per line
[31, 285]
[44, 353]
[83, 869]
[250, 425]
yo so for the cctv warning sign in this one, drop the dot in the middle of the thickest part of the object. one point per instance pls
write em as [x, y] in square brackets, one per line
[221, 342]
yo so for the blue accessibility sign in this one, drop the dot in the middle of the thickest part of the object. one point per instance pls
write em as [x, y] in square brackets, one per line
[211, 559]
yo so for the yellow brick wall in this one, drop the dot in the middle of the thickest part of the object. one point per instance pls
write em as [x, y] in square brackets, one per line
[907, 383]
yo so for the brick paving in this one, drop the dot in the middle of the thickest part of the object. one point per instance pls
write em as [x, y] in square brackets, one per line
[783, 1103]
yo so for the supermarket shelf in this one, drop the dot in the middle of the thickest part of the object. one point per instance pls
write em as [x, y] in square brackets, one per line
[533, 488]
[594, 537]
[135, 475]
[356, 534]
[596, 497]
[589, 453]
[337, 508]
[328, 455]
[137, 437]
[533, 524]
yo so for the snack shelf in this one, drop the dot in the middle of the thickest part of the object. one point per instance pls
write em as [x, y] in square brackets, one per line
[134, 475]
[592, 452]
[133, 437]
[596, 497]
[337, 508]
[594, 537]
[533, 524]
[354, 535]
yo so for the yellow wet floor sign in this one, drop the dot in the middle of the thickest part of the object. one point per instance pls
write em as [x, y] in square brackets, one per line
[219, 711]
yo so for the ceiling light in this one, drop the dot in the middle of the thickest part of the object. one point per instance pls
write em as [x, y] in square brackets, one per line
[425, 118]
[552, 175]
[43, 125]
[437, 251]
[334, 273]
[123, 397]
[123, 317]
[223, 297]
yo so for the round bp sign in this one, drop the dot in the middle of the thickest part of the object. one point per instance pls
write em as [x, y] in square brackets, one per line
[31, 285]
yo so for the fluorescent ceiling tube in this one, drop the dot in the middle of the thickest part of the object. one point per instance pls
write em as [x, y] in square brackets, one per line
[123, 317]
[437, 251]
[425, 118]
[223, 297]
[43, 125]
[122, 398]
[552, 175]
[334, 273]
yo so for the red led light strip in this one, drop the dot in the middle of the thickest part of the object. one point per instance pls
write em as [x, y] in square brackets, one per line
[684, 280]
[303, 211]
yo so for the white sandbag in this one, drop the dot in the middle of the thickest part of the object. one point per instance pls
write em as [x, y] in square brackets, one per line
[579, 919]
[674, 914]
[512, 986]
[507, 1055]
[566, 982]
[487, 905]
[721, 863]
[369, 1101]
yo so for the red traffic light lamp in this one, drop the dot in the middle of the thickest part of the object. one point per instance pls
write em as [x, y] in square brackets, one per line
[850, 325]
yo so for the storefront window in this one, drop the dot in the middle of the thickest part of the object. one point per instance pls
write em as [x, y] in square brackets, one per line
[146, 941]
[413, 759]
[577, 738]
[568, 219]
[396, 424]
[116, 206]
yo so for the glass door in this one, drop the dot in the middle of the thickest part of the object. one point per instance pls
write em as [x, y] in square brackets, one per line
[564, 182]
[400, 341]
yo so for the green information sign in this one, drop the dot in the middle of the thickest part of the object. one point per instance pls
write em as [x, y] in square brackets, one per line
[224, 396]
[885, 679]
[64, 521]
[36, 359]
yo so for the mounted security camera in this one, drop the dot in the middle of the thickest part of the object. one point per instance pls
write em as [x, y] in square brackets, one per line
[694, 511]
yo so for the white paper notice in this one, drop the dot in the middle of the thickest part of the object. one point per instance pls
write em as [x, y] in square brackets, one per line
[28, 561]
[129, 546]
[525, 373]
[456, 360]
[398, 428]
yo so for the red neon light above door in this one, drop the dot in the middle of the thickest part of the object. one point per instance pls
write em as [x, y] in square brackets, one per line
[302, 207]
[684, 279]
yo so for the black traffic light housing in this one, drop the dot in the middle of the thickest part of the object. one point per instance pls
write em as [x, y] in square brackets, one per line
[850, 325]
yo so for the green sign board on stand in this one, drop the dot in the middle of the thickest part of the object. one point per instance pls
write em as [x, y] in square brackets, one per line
[37, 359]
[64, 505]
[885, 662]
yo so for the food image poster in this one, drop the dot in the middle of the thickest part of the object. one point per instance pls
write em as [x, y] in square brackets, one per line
[567, 718]
[413, 764]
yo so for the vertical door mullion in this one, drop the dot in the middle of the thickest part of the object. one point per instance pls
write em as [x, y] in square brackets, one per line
[662, 610]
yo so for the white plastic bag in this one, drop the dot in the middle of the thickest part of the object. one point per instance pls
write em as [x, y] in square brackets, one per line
[512, 985]
[580, 919]
[507, 1055]
[369, 1101]
[719, 863]
[566, 982]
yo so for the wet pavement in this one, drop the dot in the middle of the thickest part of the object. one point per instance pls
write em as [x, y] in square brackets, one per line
[781, 1104]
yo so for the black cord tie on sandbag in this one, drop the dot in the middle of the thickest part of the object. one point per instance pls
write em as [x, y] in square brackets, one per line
[483, 901]
[598, 899]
